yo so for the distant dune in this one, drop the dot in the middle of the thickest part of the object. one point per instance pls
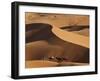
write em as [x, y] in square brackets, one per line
[82, 29]
[58, 20]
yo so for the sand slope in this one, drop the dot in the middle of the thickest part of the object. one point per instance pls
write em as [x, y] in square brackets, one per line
[71, 37]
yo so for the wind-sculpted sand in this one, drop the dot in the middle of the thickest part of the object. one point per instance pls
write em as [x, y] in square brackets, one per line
[47, 36]
[43, 43]
[42, 49]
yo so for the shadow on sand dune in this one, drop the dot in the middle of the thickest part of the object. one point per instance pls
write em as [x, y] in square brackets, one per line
[41, 43]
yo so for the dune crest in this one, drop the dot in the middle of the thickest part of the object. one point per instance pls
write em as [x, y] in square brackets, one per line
[71, 37]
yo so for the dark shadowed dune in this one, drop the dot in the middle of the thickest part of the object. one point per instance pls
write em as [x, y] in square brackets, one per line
[41, 43]
[38, 31]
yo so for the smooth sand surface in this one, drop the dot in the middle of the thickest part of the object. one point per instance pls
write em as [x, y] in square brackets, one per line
[42, 49]
[72, 64]
[45, 63]
[71, 37]
[39, 63]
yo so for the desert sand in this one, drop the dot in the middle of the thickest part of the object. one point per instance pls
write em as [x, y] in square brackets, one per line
[45, 37]
[45, 63]
[40, 63]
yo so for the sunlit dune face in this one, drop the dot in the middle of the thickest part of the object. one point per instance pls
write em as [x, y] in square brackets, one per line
[53, 38]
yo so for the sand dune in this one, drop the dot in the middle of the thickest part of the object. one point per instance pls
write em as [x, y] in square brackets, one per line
[40, 31]
[45, 37]
[42, 49]
[71, 37]
[46, 44]
[82, 29]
